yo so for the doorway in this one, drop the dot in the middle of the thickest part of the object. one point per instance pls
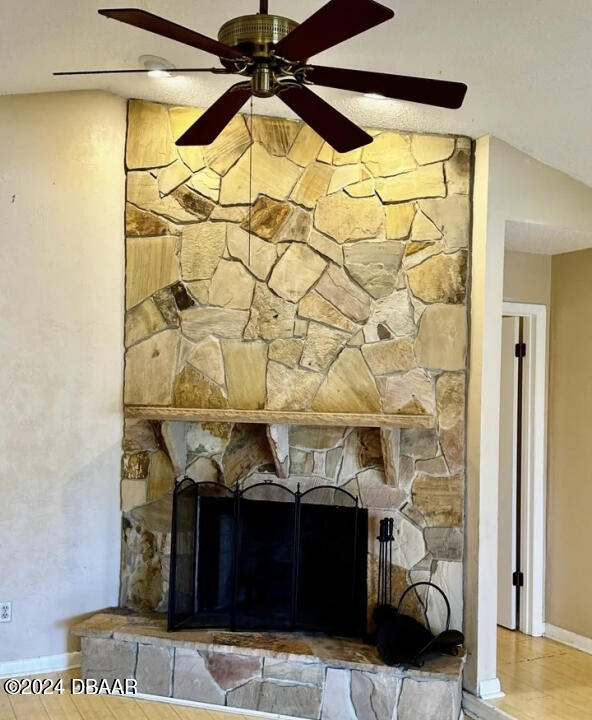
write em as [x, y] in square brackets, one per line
[521, 503]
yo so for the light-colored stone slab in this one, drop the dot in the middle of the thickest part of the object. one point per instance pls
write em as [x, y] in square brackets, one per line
[374, 696]
[133, 493]
[280, 448]
[348, 387]
[449, 577]
[162, 475]
[203, 469]
[228, 147]
[151, 264]
[208, 438]
[275, 134]
[206, 357]
[431, 148]
[398, 220]
[337, 702]
[182, 118]
[174, 436]
[286, 350]
[173, 175]
[192, 681]
[108, 659]
[315, 307]
[336, 287]
[256, 254]
[149, 366]
[154, 670]
[321, 346]
[425, 182]
[272, 176]
[142, 190]
[327, 247]
[297, 228]
[232, 286]
[439, 499]
[306, 146]
[141, 321]
[345, 218]
[312, 185]
[374, 264]
[393, 313]
[290, 389]
[437, 700]
[389, 356]
[296, 271]
[191, 389]
[347, 175]
[202, 246]
[452, 217]
[277, 697]
[411, 393]
[440, 279]
[198, 323]
[364, 188]
[149, 142]
[271, 317]
[206, 182]
[245, 364]
[389, 154]
[442, 338]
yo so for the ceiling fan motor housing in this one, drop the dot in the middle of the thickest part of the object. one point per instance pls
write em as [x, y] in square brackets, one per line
[257, 36]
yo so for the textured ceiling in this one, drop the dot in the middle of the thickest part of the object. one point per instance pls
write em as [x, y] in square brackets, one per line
[528, 63]
[545, 239]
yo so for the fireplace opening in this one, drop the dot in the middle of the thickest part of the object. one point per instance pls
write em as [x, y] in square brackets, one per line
[267, 558]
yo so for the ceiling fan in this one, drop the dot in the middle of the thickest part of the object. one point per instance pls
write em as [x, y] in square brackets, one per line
[272, 53]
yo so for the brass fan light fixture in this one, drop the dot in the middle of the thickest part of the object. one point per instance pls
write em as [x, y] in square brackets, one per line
[271, 52]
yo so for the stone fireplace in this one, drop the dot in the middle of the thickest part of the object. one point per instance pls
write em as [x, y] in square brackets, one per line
[328, 347]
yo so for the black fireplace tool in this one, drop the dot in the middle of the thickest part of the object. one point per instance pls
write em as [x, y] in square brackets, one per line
[400, 638]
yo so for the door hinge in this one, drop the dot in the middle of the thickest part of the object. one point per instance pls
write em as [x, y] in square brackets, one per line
[518, 579]
[520, 350]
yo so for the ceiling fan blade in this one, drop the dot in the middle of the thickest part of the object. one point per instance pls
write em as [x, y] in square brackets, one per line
[400, 87]
[166, 28]
[335, 22]
[142, 70]
[341, 133]
[216, 117]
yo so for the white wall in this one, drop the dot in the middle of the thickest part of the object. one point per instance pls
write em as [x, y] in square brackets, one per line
[509, 186]
[61, 339]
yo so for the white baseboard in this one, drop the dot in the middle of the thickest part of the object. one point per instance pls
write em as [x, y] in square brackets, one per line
[490, 689]
[478, 709]
[579, 642]
[32, 666]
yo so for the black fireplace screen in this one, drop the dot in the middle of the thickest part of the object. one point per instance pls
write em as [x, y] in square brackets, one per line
[265, 557]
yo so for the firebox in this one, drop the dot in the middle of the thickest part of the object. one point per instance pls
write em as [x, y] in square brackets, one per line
[265, 557]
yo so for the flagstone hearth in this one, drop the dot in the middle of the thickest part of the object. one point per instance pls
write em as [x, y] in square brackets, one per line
[306, 676]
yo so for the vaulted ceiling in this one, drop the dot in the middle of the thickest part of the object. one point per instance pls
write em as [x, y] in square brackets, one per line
[528, 63]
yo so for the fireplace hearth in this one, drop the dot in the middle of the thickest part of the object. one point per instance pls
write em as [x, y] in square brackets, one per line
[265, 557]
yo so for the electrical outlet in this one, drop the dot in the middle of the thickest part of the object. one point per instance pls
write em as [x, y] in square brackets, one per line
[5, 612]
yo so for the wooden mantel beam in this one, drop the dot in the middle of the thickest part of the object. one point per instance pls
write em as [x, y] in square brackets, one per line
[278, 417]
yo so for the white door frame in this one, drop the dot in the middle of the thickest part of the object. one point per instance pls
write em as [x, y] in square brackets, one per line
[534, 459]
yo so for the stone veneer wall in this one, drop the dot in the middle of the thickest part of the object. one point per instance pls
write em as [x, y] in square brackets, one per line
[349, 297]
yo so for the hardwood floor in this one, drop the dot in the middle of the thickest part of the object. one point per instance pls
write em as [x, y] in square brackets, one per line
[543, 679]
[97, 707]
